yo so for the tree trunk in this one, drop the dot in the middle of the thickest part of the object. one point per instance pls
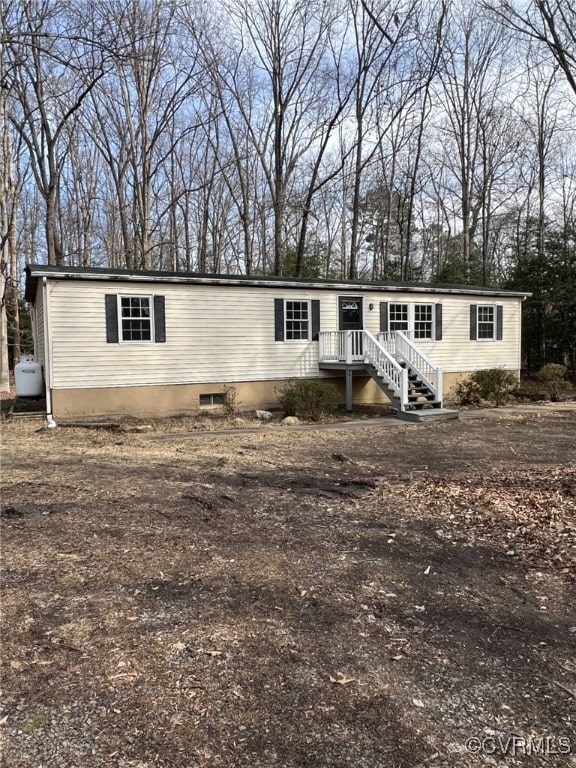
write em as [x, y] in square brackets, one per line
[6, 231]
[4, 371]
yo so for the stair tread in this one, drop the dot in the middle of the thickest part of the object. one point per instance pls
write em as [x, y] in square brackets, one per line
[441, 414]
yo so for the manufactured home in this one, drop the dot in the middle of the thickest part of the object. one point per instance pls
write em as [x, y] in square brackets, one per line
[122, 342]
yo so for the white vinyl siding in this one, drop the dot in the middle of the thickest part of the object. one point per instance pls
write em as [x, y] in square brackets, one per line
[213, 333]
[220, 333]
[39, 326]
[457, 353]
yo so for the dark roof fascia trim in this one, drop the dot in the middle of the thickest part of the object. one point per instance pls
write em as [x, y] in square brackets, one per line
[61, 273]
[30, 287]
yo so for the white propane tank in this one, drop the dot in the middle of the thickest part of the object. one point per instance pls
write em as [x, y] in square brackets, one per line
[28, 377]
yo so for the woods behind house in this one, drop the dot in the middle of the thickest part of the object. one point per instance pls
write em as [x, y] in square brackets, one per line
[407, 140]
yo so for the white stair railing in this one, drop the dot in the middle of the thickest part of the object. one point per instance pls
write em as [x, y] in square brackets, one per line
[388, 340]
[340, 347]
[329, 349]
[387, 367]
[354, 346]
[385, 352]
[430, 373]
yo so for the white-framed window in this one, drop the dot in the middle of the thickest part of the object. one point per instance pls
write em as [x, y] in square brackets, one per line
[297, 320]
[423, 321]
[136, 318]
[416, 320]
[486, 322]
[133, 319]
[398, 317]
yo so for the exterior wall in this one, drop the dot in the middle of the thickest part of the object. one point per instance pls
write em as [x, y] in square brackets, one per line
[219, 335]
[179, 399]
[39, 327]
[152, 401]
[456, 353]
[226, 334]
[212, 333]
[450, 380]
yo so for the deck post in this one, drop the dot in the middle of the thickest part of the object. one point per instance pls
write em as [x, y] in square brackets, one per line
[348, 347]
[349, 389]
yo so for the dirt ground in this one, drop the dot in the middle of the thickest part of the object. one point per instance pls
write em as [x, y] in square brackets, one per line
[390, 596]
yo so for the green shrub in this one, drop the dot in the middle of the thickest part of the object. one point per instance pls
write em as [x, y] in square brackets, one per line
[490, 385]
[309, 398]
[553, 378]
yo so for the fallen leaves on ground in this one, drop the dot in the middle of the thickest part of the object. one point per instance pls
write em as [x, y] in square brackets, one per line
[532, 513]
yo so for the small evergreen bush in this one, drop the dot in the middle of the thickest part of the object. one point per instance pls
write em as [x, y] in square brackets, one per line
[553, 378]
[490, 385]
[309, 398]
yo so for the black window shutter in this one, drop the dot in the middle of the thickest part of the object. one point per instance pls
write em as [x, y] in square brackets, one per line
[499, 322]
[473, 328]
[111, 318]
[159, 319]
[315, 319]
[279, 319]
[383, 316]
[438, 322]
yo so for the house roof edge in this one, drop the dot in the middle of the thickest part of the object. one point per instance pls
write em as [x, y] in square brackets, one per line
[34, 272]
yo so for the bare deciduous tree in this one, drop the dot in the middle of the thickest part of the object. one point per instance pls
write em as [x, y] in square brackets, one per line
[552, 23]
[8, 254]
[394, 60]
[474, 139]
[52, 67]
[152, 80]
[288, 45]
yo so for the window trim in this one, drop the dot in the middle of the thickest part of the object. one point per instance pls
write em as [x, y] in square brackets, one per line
[216, 399]
[308, 304]
[432, 321]
[411, 318]
[408, 314]
[498, 331]
[150, 298]
[112, 315]
[494, 309]
[280, 323]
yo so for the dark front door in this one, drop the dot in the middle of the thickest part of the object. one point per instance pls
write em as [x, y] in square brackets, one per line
[350, 313]
[350, 318]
